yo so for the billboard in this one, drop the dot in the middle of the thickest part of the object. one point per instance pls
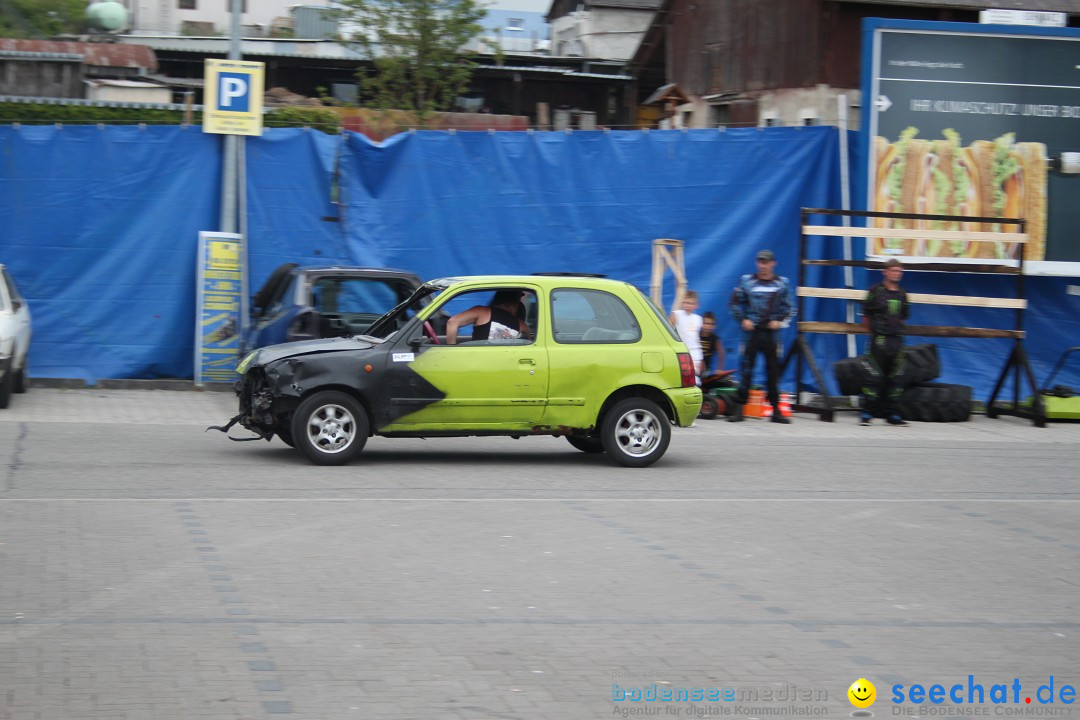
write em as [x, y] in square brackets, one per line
[972, 120]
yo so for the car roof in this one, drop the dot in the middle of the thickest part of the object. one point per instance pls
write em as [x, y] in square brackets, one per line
[560, 280]
[315, 269]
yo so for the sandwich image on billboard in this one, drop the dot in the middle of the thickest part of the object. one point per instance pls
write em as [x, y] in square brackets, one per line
[998, 178]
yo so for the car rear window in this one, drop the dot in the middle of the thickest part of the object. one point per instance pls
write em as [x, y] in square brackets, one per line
[661, 317]
[591, 316]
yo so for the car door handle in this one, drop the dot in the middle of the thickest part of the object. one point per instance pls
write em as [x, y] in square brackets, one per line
[526, 361]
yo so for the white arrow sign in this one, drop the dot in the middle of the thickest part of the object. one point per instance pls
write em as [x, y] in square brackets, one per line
[883, 103]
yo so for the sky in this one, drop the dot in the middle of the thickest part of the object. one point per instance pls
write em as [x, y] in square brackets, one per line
[540, 6]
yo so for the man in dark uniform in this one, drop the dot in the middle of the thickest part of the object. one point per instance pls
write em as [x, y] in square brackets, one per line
[761, 303]
[885, 313]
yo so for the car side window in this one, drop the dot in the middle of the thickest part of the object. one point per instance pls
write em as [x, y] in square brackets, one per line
[11, 293]
[354, 295]
[484, 317]
[591, 317]
[12, 290]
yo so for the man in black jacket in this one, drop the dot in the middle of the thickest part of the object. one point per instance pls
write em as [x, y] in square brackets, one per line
[885, 314]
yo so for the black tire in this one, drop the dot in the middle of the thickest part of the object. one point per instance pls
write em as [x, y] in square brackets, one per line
[922, 364]
[20, 380]
[635, 432]
[710, 408]
[850, 375]
[586, 443]
[936, 402]
[330, 428]
[6, 384]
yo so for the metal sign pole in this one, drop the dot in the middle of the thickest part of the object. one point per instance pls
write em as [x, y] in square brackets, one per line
[229, 159]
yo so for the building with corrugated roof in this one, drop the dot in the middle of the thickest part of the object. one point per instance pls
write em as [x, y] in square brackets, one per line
[776, 62]
[58, 69]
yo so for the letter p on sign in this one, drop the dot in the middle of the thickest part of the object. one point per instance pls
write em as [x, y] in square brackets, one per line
[233, 93]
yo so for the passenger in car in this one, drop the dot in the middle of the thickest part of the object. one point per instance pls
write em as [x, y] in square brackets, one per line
[498, 321]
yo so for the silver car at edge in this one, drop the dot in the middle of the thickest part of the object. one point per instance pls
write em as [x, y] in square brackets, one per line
[14, 338]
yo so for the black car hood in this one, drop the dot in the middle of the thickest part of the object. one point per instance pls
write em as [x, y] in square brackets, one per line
[273, 353]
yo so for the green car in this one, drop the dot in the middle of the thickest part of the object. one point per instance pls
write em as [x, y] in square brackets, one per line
[587, 358]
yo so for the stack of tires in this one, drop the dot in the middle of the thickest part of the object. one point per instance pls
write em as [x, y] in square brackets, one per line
[936, 402]
[922, 400]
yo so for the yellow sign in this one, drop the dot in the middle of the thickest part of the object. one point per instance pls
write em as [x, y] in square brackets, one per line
[219, 305]
[233, 97]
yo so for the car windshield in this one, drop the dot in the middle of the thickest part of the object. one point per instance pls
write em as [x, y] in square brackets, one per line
[391, 322]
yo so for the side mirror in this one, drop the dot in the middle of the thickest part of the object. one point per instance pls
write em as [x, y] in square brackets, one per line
[16, 304]
[416, 342]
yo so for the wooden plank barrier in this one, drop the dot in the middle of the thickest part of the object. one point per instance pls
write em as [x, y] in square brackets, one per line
[843, 328]
[918, 298]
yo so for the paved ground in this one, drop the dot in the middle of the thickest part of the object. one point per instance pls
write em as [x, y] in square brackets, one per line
[150, 570]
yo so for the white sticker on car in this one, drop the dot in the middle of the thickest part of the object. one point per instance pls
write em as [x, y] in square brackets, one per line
[404, 357]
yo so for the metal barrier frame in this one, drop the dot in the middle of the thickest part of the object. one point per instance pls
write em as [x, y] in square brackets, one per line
[1017, 362]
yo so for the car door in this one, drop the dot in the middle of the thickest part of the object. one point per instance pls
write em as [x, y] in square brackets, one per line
[485, 385]
[596, 348]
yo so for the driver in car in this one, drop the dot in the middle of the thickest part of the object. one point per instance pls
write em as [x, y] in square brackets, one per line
[498, 321]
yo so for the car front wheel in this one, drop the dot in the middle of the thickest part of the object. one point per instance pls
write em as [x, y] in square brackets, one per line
[636, 432]
[330, 428]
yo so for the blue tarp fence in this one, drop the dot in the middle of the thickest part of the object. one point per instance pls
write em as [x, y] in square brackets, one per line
[100, 227]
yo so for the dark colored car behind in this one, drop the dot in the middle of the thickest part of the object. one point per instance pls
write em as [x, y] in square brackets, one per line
[306, 303]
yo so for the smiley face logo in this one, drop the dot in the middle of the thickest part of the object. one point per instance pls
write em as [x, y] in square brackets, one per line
[862, 693]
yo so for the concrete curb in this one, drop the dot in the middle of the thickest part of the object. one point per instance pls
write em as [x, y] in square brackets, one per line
[122, 384]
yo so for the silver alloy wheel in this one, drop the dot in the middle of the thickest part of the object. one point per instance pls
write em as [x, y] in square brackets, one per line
[638, 432]
[331, 428]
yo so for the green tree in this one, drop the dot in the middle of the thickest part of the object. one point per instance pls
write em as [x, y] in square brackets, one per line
[41, 18]
[416, 49]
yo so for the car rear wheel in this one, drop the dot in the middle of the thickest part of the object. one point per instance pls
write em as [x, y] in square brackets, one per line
[586, 443]
[636, 432]
[20, 380]
[330, 428]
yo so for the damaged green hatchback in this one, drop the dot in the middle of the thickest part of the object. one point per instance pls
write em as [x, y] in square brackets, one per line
[583, 357]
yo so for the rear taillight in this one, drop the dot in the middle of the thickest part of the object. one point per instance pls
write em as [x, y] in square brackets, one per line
[686, 370]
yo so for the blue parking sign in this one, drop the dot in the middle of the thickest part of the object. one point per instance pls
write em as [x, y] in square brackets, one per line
[234, 93]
